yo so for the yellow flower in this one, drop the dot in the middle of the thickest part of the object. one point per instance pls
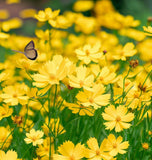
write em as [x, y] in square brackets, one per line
[12, 1]
[34, 137]
[148, 29]
[94, 98]
[88, 53]
[52, 72]
[47, 14]
[5, 111]
[44, 149]
[127, 51]
[69, 151]
[81, 6]
[95, 152]
[5, 138]
[28, 13]
[145, 145]
[11, 24]
[86, 25]
[82, 78]
[145, 49]
[133, 33]
[60, 22]
[115, 146]
[4, 35]
[117, 117]
[80, 109]
[9, 155]
[4, 14]
[15, 94]
[104, 75]
[42, 34]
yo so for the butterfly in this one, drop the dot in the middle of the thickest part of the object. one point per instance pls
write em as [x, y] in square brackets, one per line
[29, 51]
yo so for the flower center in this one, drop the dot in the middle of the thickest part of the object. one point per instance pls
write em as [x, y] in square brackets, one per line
[114, 145]
[52, 77]
[136, 95]
[87, 53]
[118, 119]
[97, 152]
[34, 139]
[81, 83]
[91, 100]
[101, 78]
[72, 157]
[14, 95]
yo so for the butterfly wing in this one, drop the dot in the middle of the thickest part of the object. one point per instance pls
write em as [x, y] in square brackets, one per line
[30, 45]
[31, 54]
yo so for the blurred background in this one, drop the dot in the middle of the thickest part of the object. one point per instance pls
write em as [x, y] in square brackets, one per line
[139, 9]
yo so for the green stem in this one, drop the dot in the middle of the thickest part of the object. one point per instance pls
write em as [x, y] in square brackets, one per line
[49, 118]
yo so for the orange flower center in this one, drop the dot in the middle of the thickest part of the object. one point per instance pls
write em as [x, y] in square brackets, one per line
[3, 113]
[97, 152]
[114, 145]
[91, 100]
[126, 84]
[52, 77]
[72, 157]
[121, 53]
[34, 139]
[14, 95]
[136, 95]
[101, 78]
[118, 119]
[81, 83]
[87, 53]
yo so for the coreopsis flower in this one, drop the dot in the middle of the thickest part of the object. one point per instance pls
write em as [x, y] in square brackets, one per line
[104, 75]
[5, 138]
[95, 98]
[145, 145]
[5, 111]
[34, 137]
[124, 52]
[4, 14]
[80, 109]
[115, 145]
[52, 72]
[47, 14]
[117, 118]
[42, 34]
[82, 6]
[4, 35]
[28, 13]
[44, 148]
[132, 33]
[136, 98]
[69, 151]
[12, 1]
[148, 30]
[60, 22]
[9, 155]
[95, 152]
[82, 78]
[86, 25]
[145, 49]
[89, 53]
[11, 24]
[15, 94]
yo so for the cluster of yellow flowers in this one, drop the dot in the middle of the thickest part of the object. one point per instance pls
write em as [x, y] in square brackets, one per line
[104, 74]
